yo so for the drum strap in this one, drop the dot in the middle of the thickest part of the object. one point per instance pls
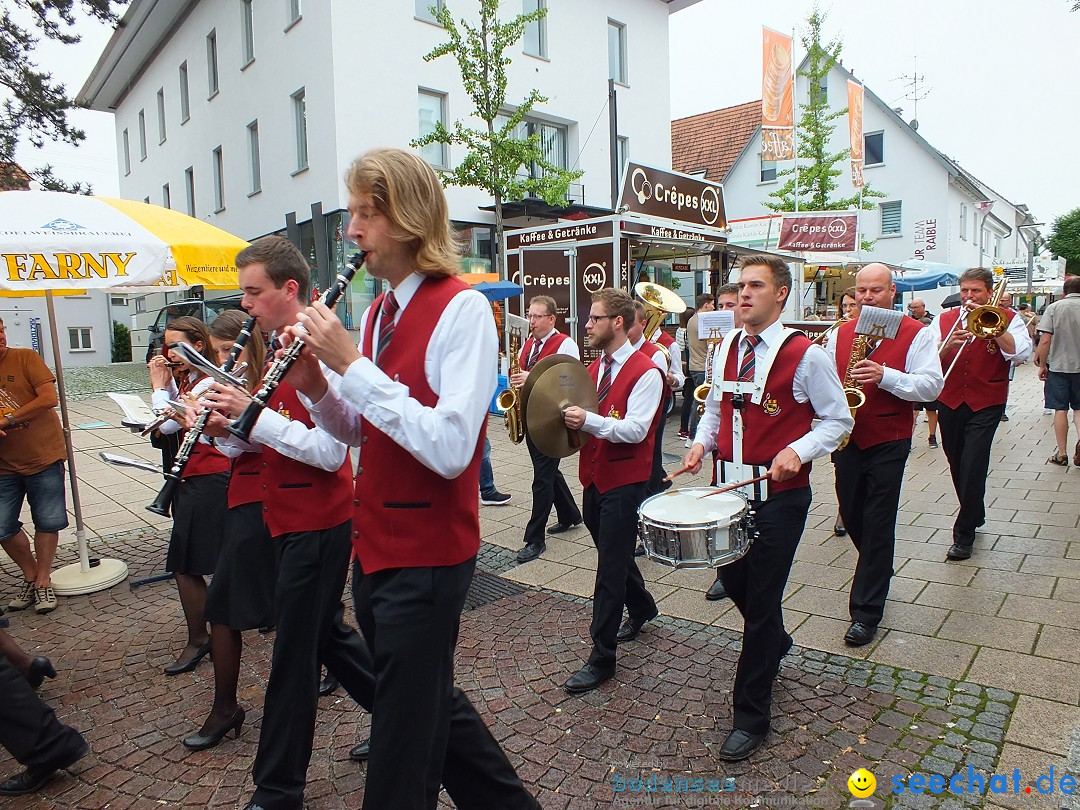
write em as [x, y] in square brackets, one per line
[729, 472]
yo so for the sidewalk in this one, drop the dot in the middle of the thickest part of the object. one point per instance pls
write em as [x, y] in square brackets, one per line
[976, 664]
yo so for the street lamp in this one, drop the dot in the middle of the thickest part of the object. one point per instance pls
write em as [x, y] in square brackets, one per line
[983, 206]
[1031, 252]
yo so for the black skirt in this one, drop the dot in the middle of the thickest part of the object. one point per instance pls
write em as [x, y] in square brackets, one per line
[200, 509]
[241, 594]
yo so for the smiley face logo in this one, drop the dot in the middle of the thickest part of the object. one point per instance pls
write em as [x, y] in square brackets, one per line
[861, 783]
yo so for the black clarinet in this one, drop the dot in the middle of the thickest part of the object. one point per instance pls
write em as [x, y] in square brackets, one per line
[243, 426]
[164, 500]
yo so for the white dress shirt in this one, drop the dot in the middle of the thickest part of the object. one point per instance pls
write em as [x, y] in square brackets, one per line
[459, 366]
[1017, 328]
[160, 397]
[567, 347]
[815, 381]
[674, 353]
[921, 379]
[641, 405]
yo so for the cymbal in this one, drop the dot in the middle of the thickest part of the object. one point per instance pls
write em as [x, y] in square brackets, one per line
[535, 373]
[558, 387]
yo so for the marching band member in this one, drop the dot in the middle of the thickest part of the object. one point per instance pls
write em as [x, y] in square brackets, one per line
[674, 373]
[548, 485]
[770, 382]
[614, 466]
[870, 469]
[655, 352]
[973, 400]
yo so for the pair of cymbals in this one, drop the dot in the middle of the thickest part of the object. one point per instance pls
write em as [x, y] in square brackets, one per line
[555, 384]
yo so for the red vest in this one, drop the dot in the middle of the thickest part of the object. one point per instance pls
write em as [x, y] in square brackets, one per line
[205, 460]
[884, 417]
[981, 375]
[652, 351]
[665, 340]
[245, 484]
[777, 421]
[408, 516]
[606, 465]
[550, 347]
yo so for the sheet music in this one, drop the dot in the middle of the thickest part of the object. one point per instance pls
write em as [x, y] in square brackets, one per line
[723, 319]
[878, 323]
[136, 411]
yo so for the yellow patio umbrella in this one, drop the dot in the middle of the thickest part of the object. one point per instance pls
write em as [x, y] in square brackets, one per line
[57, 243]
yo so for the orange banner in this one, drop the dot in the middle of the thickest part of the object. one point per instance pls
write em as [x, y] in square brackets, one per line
[855, 128]
[777, 97]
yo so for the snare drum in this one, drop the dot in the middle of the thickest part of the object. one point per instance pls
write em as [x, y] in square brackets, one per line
[681, 529]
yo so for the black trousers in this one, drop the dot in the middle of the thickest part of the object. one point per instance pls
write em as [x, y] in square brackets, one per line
[868, 490]
[548, 487]
[28, 726]
[611, 518]
[655, 484]
[755, 584]
[424, 730]
[967, 438]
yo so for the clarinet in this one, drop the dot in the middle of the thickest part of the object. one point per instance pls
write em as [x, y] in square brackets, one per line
[243, 426]
[163, 501]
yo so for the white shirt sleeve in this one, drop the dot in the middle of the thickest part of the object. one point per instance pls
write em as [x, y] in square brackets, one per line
[709, 423]
[569, 348]
[816, 381]
[1018, 329]
[159, 400]
[641, 407]
[921, 379]
[675, 364]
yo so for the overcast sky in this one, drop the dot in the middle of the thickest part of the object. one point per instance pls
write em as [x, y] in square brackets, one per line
[1001, 90]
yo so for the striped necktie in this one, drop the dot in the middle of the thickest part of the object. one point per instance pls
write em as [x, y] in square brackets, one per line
[386, 323]
[531, 361]
[605, 379]
[746, 368]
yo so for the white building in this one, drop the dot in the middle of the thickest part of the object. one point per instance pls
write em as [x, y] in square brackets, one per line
[247, 113]
[83, 326]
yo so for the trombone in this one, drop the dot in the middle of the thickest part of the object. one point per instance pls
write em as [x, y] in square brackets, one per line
[985, 322]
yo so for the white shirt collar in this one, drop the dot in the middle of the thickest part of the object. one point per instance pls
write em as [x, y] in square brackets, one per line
[622, 354]
[770, 334]
[545, 337]
[407, 288]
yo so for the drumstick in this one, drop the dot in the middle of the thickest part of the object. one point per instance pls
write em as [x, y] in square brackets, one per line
[734, 486]
[677, 473]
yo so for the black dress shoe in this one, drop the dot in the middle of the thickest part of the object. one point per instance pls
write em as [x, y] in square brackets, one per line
[35, 777]
[631, 628]
[716, 591]
[839, 530]
[361, 751]
[588, 678]
[200, 742]
[328, 685]
[740, 744]
[179, 668]
[958, 552]
[639, 550]
[859, 634]
[40, 668]
[531, 552]
[253, 806]
[559, 528]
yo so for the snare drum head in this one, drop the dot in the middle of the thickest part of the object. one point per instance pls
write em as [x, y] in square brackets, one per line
[687, 506]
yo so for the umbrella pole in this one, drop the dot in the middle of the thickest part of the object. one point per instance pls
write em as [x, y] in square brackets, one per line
[84, 576]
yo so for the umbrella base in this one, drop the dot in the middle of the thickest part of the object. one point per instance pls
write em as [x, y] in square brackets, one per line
[71, 580]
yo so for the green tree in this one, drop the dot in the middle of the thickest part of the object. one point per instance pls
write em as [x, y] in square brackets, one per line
[37, 106]
[817, 165]
[1064, 241]
[499, 160]
[121, 343]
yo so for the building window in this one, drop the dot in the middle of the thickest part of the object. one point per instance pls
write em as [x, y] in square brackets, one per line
[127, 153]
[185, 103]
[80, 338]
[166, 196]
[161, 115]
[823, 89]
[768, 170]
[616, 48]
[219, 181]
[189, 190]
[300, 119]
[874, 148]
[891, 218]
[424, 9]
[247, 30]
[997, 247]
[253, 155]
[118, 300]
[432, 108]
[211, 64]
[142, 135]
[553, 142]
[535, 39]
[622, 154]
[293, 12]
[963, 221]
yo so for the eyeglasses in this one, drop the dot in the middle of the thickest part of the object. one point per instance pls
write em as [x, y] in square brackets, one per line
[595, 318]
[532, 317]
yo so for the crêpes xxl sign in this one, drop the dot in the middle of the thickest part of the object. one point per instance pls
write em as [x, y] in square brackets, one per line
[672, 196]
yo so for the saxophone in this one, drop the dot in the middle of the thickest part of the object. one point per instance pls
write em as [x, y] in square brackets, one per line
[509, 401]
[853, 392]
[701, 393]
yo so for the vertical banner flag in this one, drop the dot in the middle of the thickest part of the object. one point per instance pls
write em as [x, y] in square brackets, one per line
[855, 113]
[777, 97]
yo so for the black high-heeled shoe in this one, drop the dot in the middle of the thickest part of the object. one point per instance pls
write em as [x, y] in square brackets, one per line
[200, 742]
[40, 669]
[178, 668]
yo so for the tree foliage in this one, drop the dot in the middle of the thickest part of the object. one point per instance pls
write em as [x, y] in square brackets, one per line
[498, 159]
[1065, 241]
[37, 106]
[121, 343]
[817, 165]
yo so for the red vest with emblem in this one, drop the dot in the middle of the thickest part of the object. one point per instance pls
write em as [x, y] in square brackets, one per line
[777, 421]
[884, 417]
[664, 339]
[606, 465]
[550, 347]
[981, 375]
[408, 516]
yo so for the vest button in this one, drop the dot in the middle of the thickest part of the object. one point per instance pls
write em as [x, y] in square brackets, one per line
[266, 508]
[359, 470]
[363, 440]
[356, 534]
[356, 502]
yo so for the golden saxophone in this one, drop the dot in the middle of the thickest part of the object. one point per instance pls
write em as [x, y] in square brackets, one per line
[509, 401]
[701, 393]
[853, 392]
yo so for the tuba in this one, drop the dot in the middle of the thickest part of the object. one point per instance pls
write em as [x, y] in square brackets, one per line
[509, 401]
[853, 392]
[659, 303]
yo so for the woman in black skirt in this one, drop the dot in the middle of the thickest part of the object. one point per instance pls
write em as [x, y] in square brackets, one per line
[241, 594]
[200, 507]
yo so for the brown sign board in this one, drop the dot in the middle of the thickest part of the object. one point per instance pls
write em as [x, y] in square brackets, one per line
[673, 196]
[568, 231]
[825, 232]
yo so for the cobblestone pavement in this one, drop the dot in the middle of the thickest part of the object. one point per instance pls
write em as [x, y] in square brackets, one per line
[975, 664]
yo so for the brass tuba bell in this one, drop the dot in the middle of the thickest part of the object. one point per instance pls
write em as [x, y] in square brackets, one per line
[659, 303]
